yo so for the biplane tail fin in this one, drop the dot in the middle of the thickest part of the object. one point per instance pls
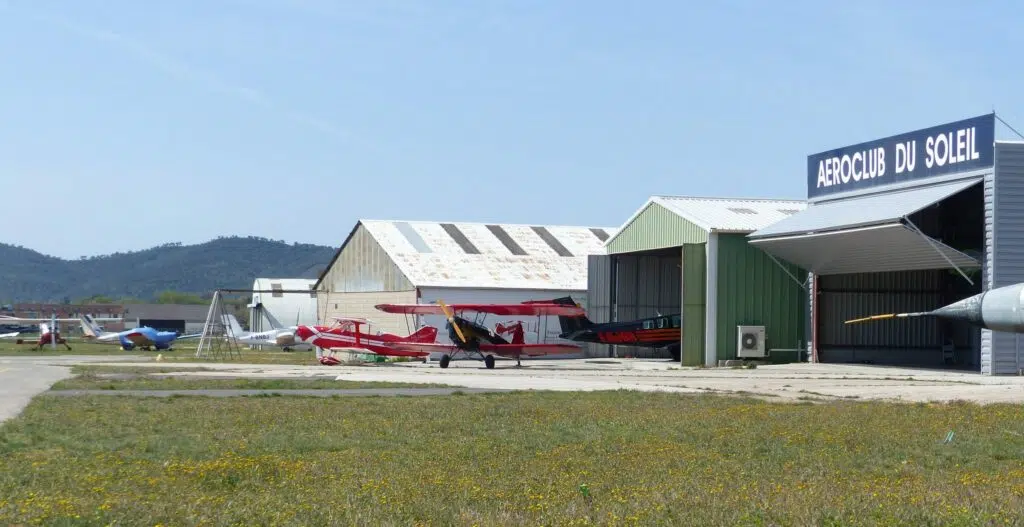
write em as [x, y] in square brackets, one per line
[424, 335]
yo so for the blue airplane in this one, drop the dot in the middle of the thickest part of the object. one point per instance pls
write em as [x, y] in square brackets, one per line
[144, 337]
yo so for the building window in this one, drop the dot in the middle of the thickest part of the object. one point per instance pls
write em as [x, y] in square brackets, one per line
[276, 291]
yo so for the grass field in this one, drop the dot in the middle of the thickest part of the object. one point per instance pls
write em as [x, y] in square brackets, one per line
[510, 459]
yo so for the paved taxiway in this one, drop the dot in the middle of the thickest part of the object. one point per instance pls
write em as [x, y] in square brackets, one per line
[21, 378]
[785, 382]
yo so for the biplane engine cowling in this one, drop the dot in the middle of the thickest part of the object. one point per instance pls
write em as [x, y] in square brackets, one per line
[285, 339]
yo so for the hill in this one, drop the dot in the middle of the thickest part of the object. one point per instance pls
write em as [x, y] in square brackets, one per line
[226, 262]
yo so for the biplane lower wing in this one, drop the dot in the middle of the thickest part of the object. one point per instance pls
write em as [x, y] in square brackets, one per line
[511, 310]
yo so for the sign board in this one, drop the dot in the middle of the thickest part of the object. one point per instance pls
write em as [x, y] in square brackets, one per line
[945, 149]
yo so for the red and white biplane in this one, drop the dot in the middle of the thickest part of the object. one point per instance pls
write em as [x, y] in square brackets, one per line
[345, 334]
[474, 340]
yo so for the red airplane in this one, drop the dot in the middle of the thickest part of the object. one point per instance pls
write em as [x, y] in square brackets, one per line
[473, 339]
[47, 337]
[345, 334]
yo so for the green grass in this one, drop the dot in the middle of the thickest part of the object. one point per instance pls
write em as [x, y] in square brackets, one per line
[510, 459]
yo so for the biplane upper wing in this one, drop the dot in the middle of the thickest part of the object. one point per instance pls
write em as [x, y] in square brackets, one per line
[505, 350]
[494, 309]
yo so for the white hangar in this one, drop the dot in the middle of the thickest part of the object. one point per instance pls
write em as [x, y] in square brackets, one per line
[281, 309]
[406, 262]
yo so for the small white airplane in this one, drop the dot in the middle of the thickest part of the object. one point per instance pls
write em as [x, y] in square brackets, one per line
[277, 336]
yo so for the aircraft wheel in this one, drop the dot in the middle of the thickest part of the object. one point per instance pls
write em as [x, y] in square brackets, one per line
[489, 362]
[445, 359]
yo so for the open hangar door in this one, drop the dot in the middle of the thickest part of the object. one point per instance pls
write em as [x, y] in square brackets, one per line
[644, 284]
[908, 250]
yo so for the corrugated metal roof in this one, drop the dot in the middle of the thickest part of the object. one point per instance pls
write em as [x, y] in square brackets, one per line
[740, 215]
[500, 256]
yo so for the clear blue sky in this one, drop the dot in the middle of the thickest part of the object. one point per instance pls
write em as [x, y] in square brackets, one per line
[176, 120]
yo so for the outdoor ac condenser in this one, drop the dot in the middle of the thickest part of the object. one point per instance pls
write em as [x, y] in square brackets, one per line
[750, 342]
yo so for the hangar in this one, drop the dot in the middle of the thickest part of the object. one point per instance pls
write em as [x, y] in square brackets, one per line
[422, 262]
[183, 318]
[690, 255]
[909, 223]
[280, 308]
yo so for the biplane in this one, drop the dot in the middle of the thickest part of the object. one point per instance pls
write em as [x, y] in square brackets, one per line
[345, 334]
[474, 340]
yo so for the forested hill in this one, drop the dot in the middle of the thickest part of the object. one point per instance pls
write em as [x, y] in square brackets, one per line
[227, 262]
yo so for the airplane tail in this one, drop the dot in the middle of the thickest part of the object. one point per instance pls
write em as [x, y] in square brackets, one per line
[90, 329]
[234, 327]
[424, 335]
[571, 324]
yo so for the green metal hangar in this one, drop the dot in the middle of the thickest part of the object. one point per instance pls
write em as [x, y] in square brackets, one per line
[909, 223]
[690, 256]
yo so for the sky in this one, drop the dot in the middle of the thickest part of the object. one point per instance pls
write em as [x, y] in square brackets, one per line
[127, 124]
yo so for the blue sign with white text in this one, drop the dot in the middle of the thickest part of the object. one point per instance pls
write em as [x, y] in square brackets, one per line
[944, 149]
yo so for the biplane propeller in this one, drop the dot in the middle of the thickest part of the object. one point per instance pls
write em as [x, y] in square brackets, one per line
[472, 339]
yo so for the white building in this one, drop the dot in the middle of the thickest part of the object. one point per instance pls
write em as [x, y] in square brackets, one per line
[284, 308]
[407, 262]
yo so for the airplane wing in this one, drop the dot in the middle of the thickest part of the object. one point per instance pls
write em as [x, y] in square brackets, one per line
[18, 320]
[9, 335]
[505, 350]
[139, 339]
[192, 336]
[494, 309]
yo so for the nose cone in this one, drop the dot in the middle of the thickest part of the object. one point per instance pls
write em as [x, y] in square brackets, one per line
[303, 333]
[967, 310]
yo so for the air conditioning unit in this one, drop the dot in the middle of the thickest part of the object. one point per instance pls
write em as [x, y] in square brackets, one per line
[750, 342]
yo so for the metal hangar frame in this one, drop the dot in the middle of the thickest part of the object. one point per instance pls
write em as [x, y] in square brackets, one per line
[690, 255]
[910, 222]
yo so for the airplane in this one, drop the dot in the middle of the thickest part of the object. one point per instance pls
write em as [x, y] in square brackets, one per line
[1000, 309]
[472, 338]
[144, 337]
[9, 335]
[345, 334]
[662, 331]
[49, 337]
[277, 336]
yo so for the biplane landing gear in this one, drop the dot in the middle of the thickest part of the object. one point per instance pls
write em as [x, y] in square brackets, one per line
[489, 362]
[445, 359]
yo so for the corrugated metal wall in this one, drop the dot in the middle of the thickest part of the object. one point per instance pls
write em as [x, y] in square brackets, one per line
[655, 228]
[986, 268]
[1008, 247]
[646, 284]
[363, 266]
[599, 299]
[754, 290]
[694, 293]
[913, 341]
